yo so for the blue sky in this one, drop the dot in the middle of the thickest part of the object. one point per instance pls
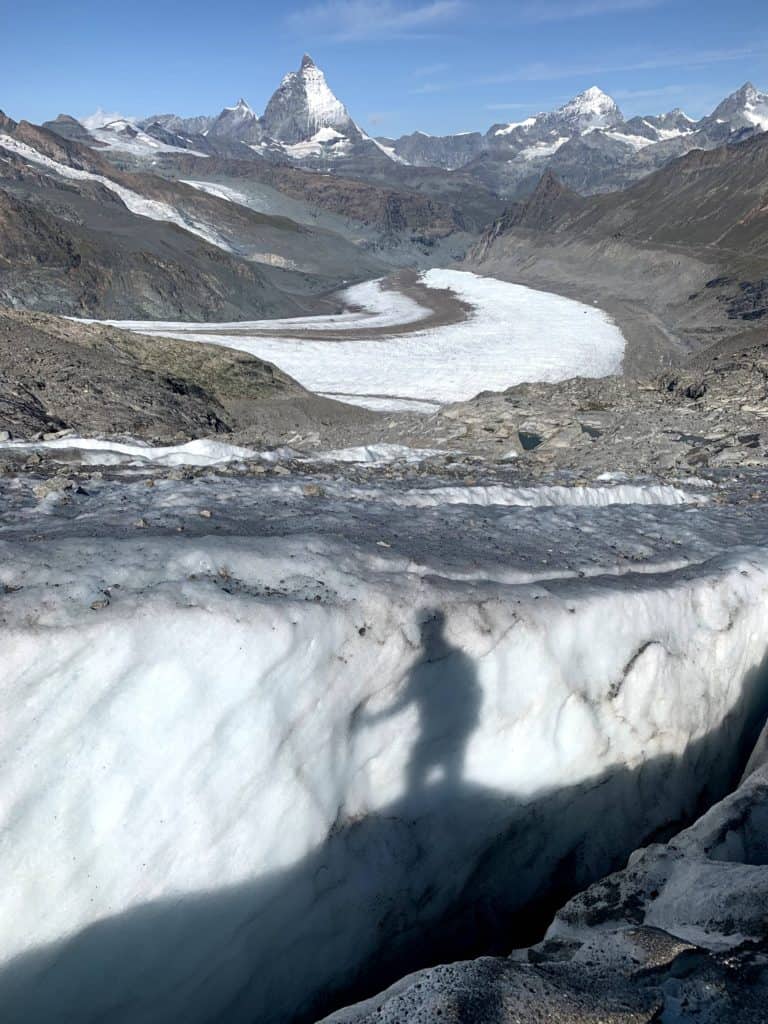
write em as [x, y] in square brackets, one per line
[437, 65]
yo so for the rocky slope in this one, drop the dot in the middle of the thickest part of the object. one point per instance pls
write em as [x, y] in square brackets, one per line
[707, 415]
[681, 258]
[59, 375]
[83, 237]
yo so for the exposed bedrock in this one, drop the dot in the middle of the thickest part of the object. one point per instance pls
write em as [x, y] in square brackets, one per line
[255, 794]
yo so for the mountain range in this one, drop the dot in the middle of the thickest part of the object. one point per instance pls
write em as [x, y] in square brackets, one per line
[244, 215]
[588, 142]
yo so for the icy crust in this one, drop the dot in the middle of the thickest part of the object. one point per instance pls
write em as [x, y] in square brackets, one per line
[223, 736]
[533, 497]
[707, 886]
[99, 452]
[513, 334]
[102, 452]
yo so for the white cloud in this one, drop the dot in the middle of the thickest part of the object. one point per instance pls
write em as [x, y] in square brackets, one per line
[558, 11]
[507, 106]
[545, 72]
[429, 88]
[346, 21]
[430, 70]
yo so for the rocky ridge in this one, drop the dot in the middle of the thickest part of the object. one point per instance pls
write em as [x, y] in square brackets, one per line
[89, 379]
[679, 934]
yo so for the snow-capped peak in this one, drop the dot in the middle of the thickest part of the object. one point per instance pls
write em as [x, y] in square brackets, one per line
[100, 118]
[243, 108]
[747, 107]
[304, 104]
[592, 108]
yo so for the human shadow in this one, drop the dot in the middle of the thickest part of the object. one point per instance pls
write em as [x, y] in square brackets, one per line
[447, 871]
[443, 686]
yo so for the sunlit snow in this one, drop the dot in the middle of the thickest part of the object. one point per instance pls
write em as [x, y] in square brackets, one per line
[513, 334]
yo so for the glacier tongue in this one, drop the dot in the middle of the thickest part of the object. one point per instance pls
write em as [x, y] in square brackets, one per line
[247, 769]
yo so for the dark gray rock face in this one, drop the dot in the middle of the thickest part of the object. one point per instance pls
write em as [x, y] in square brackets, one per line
[236, 124]
[446, 151]
[303, 105]
[69, 128]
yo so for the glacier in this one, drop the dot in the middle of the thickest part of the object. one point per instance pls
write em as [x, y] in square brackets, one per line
[310, 734]
[511, 334]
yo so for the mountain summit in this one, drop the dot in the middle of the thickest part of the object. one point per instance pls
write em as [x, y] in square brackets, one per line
[745, 108]
[304, 105]
[239, 122]
[590, 109]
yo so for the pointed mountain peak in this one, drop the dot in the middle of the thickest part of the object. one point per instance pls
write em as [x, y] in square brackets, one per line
[593, 99]
[303, 105]
[592, 108]
[594, 92]
[745, 108]
[242, 109]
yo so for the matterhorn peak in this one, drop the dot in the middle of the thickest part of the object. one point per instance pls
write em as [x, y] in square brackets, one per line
[303, 105]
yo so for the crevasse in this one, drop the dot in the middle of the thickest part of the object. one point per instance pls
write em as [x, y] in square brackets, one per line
[253, 777]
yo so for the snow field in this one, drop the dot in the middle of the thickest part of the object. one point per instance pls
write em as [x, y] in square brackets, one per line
[267, 728]
[513, 334]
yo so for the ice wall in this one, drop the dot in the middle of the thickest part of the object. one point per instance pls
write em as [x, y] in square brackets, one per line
[244, 776]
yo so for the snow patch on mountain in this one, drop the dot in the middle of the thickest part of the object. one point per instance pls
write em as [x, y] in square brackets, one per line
[141, 205]
[529, 122]
[542, 149]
